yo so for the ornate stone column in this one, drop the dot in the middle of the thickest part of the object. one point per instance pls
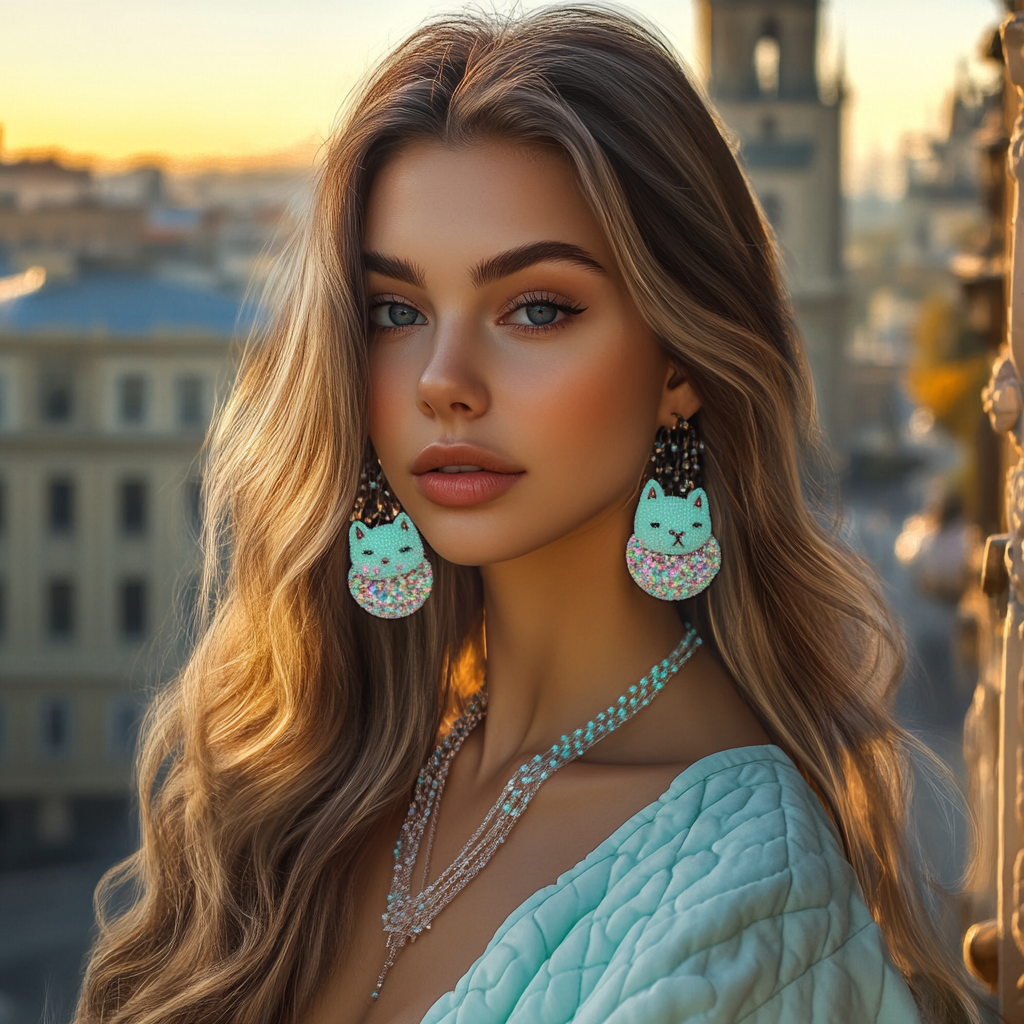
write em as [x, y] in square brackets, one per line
[1004, 402]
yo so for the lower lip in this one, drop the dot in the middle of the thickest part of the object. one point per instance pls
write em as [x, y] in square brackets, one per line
[460, 489]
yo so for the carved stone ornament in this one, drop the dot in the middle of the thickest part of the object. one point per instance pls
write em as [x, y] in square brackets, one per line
[1003, 401]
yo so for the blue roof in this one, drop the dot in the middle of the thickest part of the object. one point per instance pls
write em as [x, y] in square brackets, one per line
[126, 304]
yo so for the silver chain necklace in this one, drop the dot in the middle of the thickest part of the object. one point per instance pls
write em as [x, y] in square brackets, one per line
[408, 915]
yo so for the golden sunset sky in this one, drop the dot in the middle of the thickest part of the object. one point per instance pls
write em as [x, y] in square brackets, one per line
[195, 80]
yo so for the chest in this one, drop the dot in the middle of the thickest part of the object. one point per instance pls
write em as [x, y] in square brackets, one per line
[569, 817]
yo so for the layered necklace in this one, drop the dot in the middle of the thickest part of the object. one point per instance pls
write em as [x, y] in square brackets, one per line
[408, 915]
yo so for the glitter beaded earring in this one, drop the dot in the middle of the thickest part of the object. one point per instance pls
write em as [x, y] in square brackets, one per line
[673, 554]
[390, 575]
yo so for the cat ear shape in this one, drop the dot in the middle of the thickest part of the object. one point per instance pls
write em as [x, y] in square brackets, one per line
[356, 532]
[403, 521]
[653, 491]
[698, 499]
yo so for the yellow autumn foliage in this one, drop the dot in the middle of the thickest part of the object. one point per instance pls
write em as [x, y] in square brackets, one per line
[948, 386]
[945, 387]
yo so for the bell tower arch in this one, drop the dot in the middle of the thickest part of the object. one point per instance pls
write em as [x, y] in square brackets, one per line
[735, 30]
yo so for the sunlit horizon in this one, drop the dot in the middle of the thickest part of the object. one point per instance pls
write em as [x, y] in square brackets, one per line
[234, 85]
[302, 154]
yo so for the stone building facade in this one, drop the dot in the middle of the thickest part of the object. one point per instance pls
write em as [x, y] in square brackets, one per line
[101, 426]
[762, 57]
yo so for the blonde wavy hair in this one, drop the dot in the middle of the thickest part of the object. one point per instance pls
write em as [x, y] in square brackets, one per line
[300, 722]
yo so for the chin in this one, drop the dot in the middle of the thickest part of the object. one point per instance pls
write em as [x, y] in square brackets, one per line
[486, 538]
[468, 551]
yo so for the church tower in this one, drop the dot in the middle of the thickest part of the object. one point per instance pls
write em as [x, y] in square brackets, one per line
[762, 59]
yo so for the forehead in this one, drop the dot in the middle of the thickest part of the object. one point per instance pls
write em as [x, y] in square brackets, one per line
[432, 200]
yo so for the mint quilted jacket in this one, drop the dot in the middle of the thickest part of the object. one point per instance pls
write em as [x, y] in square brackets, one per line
[727, 900]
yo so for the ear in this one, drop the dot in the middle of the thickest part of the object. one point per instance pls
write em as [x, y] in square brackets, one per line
[653, 491]
[677, 397]
[403, 521]
[356, 532]
[697, 498]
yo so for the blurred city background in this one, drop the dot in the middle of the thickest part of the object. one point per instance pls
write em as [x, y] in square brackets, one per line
[875, 136]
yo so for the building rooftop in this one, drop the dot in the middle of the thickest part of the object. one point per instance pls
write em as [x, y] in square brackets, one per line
[125, 304]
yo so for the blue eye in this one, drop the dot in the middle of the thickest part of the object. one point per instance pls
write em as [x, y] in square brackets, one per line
[395, 314]
[541, 313]
[538, 314]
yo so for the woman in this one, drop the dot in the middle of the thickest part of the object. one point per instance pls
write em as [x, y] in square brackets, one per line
[461, 459]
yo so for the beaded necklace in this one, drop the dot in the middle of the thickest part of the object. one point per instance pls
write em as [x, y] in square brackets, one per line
[408, 915]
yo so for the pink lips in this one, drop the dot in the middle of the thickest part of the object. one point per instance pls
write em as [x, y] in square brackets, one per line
[494, 477]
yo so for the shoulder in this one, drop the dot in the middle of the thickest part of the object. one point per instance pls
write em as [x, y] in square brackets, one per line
[760, 822]
[740, 821]
[758, 914]
[748, 809]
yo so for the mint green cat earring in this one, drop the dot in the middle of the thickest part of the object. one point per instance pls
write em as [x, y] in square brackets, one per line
[390, 575]
[673, 554]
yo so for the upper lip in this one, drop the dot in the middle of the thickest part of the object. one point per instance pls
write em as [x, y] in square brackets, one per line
[436, 455]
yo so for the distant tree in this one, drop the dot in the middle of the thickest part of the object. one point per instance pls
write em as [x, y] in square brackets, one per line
[949, 367]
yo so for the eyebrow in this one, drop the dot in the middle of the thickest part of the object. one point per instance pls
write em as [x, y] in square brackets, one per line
[394, 267]
[488, 270]
[524, 256]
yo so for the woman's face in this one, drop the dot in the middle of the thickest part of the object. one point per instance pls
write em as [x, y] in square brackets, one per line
[514, 390]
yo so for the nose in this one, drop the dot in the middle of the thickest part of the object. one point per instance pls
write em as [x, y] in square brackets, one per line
[452, 386]
[384, 561]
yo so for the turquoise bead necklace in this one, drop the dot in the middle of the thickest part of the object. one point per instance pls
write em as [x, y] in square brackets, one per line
[407, 916]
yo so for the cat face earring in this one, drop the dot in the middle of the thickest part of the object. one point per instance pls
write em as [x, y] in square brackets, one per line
[390, 575]
[673, 554]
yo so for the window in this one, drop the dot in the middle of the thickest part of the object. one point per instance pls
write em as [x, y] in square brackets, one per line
[190, 401]
[133, 608]
[56, 396]
[134, 506]
[766, 62]
[55, 727]
[60, 610]
[194, 505]
[186, 612]
[131, 398]
[61, 501]
[122, 727]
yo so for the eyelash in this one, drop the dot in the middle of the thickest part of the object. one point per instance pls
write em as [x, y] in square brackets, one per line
[511, 306]
[388, 300]
[542, 299]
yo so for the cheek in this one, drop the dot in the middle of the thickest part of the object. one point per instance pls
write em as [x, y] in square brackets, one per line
[391, 383]
[596, 417]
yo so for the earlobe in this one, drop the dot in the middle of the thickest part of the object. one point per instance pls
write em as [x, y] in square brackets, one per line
[678, 398]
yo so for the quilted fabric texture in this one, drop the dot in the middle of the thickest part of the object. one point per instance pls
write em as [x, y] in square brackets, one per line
[727, 900]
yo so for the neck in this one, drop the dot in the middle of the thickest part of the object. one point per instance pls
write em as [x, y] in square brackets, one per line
[568, 631]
